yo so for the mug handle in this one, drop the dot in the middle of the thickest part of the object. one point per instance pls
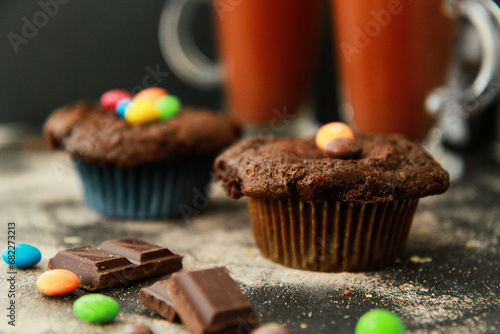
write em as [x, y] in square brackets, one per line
[178, 46]
[484, 15]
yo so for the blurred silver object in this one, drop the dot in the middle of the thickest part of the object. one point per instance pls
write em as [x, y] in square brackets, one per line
[496, 143]
[453, 104]
[178, 46]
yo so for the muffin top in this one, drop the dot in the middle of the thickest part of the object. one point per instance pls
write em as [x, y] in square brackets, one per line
[91, 133]
[390, 167]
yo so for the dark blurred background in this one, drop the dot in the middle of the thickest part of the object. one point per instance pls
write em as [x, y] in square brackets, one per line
[54, 52]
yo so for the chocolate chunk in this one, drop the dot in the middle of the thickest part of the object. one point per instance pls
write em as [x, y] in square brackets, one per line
[271, 328]
[344, 148]
[136, 251]
[156, 298]
[210, 302]
[97, 268]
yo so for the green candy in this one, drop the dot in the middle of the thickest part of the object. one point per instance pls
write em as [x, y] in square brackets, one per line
[96, 308]
[380, 322]
[168, 106]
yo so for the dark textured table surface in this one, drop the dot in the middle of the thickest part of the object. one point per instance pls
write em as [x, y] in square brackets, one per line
[447, 281]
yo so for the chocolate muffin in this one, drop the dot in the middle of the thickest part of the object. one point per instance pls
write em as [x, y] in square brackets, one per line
[152, 170]
[311, 211]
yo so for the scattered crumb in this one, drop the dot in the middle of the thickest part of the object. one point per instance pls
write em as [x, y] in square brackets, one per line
[70, 239]
[309, 314]
[446, 310]
[418, 259]
[347, 292]
[429, 217]
[303, 325]
[249, 253]
[473, 244]
[212, 256]
[369, 295]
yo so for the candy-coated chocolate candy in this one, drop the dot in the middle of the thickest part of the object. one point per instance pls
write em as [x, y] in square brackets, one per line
[121, 106]
[21, 256]
[380, 322]
[57, 282]
[96, 308]
[332, 131]
[152, 93]
[142, 111]
[111, 98]
[343, 148]
[168, 106]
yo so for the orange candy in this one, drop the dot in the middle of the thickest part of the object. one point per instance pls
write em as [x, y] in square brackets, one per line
[152, 93]
[332, 131]
[57, 282]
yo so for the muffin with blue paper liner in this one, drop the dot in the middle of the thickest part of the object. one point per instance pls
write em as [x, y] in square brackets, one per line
[140, 157]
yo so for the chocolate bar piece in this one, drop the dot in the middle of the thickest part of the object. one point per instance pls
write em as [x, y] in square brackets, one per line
[116, 262]
[210, 302]
[156, 298]
[136, 251]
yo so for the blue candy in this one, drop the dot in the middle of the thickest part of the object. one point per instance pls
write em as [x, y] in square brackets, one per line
[121, 106]
[23, 256]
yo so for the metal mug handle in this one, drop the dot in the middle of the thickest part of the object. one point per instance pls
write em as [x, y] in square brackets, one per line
[177, 45]
[449, 104]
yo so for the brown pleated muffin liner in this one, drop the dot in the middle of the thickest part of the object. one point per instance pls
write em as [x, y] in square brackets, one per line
[332, 236]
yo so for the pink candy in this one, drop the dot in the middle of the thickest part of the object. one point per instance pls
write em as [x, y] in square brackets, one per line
[111, 97]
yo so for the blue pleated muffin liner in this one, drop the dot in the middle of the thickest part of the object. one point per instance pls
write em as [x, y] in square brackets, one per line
[162, 190]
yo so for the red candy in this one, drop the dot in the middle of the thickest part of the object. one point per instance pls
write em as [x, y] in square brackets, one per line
[111, 97]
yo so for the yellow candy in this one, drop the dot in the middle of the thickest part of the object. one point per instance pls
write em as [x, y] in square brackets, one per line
[142, 111]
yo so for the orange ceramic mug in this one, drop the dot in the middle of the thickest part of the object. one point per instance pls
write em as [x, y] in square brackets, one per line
[394, 56]
[267, 50]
